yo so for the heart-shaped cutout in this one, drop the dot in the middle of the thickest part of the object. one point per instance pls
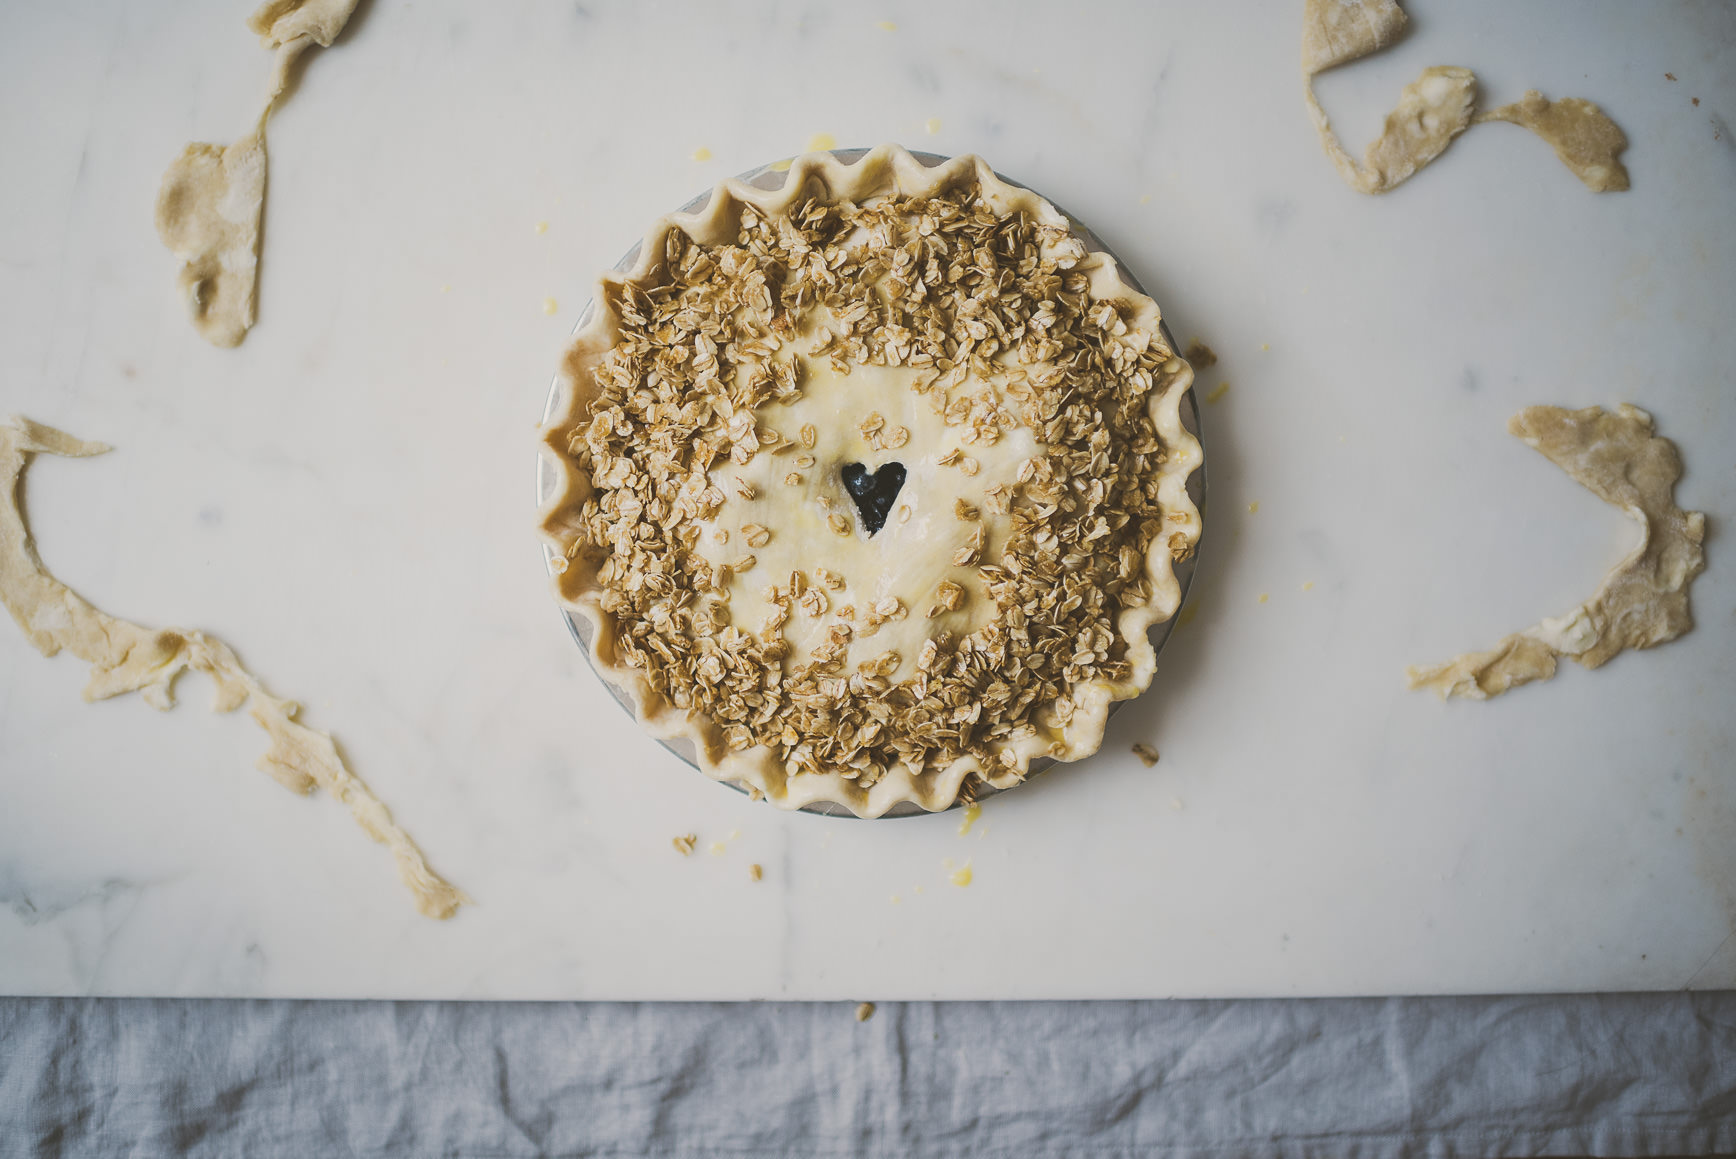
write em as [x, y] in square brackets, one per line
[873, 494]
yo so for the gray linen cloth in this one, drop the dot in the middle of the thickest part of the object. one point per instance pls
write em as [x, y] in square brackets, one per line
[1591, 1075]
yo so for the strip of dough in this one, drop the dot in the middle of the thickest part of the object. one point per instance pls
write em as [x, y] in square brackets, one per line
[1437, 106]
[1644, 601]
[126, 657]
[1586, 140]
[213, 196]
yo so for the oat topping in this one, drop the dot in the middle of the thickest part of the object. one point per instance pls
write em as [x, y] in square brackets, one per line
[1002, 335]
[948, 597]
[814, 602]
[971, 551]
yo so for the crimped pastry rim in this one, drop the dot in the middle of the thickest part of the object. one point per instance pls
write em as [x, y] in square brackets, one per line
[886, 169]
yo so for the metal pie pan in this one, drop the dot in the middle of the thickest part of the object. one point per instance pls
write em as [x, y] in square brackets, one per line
[768, 178]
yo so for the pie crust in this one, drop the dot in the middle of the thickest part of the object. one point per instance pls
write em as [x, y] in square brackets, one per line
[749, 491]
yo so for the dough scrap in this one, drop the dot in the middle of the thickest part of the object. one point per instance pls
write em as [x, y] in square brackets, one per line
[1644, 600]
[208, 215]
[126, 657]
[1437, 106]
[213, 196]
[1586, 140]
[1432, 110]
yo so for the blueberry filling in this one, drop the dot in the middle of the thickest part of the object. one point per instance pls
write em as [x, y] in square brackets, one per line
[873, 494]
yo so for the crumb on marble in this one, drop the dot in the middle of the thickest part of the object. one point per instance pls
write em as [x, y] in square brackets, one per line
[864, 1011]
[933, 124]
[755, 873]
[1145, 753]
[542, 227]
[550, 306]
[684, 844]
[1264, 596]
[886, 25]
[1217, 392]
[1254, 507]
[702, 154]
[1308, 586]
[1199, 355]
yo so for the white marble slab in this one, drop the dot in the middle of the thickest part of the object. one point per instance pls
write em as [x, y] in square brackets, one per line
[347, 499]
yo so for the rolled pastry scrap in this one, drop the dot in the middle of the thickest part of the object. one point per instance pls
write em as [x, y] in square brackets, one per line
[126, 657]
[1644, 601]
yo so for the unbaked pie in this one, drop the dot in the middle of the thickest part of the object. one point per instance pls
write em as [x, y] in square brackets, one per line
[872, 485]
